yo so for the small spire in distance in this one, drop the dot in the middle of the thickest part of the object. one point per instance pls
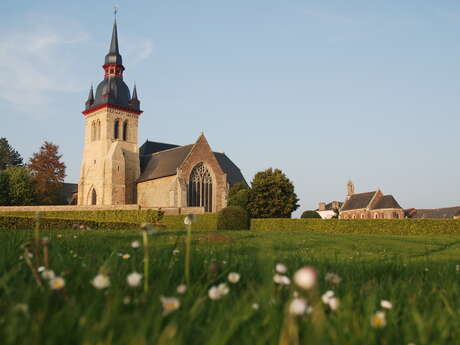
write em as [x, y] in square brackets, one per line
[91, 94]
[134, 97]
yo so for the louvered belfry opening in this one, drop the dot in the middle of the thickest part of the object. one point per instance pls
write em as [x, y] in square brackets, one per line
[200, 188]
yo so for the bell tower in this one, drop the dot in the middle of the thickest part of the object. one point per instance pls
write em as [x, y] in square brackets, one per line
[110, 164]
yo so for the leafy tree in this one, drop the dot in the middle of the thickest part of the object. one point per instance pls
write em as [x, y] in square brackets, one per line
[239, 195]
[272, 195]
[310, 214]
[48, 173]
[8, 156]
[4, 189]
[20, 186]
[232, 218]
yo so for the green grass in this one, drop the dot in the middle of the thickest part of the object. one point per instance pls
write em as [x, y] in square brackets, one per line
[417, 274]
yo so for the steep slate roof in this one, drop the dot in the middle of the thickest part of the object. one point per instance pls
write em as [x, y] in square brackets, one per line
[448, 212]
[161, 160]
[387, 201]
[358, 201]
[163, 163]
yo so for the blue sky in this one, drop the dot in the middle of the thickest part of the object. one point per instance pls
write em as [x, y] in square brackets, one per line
[325, 90]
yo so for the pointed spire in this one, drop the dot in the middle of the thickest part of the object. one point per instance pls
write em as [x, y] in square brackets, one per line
[113, 56]
[91, 94]
[134, 97]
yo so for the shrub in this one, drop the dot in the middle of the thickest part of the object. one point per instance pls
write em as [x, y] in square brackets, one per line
[310, 214]
[232, 218]
[239, 198]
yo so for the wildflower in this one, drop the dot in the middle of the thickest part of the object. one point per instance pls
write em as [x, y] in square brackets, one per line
[332, 278]
[21, 308]
[48, 274]
[233, 277]
[176, 252]
[135, 244]
[426, 269]
[41, 269]
[181, 289]
[101, 281]
[327, 296]
[305, 277]
[189, 219]
[170, 304]
[126, 256]
[298, 306]
[134, 279]
[214, 293]
[281, 279]
[280, 268]
[255, 306]
[59, 235]
[223, 289]
[386, 304]
[334, 303]
[57, 283]
[127, 300]
[378, 320]
[457, 268]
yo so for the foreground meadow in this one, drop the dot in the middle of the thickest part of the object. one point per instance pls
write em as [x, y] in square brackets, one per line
[418, 275]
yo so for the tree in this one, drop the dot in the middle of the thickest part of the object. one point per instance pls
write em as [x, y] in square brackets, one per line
[272, 195]
[8, 156]
[239, 195]
[310, 214]
[48, 173]
[4, 189]
[20, 186]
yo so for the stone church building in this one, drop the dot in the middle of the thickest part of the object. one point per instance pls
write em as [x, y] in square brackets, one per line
[115, 171]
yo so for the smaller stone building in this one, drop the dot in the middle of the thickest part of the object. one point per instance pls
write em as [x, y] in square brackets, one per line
[370, 205]
[328, 211]
[435, 213]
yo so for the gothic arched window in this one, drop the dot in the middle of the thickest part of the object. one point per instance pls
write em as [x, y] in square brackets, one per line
[200, 188]
[116, 128]
[93, 197]
[125, 130]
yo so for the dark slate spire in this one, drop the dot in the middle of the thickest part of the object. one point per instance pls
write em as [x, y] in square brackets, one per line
[135, 104]
[114, 57]
[90, 99]
[134, 97]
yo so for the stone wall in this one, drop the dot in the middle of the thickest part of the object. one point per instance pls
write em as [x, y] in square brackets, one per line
[157, 193]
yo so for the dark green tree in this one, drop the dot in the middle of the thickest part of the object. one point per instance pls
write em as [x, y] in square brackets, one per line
[239, 195]
[4, 189]
[8, 155]
[310, 214]
[48, 173]
[21, 189]
[272, 195]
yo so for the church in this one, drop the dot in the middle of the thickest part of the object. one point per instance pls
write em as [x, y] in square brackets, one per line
[116, 171]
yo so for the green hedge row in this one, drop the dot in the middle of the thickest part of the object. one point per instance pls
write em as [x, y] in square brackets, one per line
[206, 221]
[361, 226]
[126, 216]
[27, 223]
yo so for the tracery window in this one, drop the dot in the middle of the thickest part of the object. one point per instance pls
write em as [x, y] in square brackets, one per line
[200, 188]
[116, 129]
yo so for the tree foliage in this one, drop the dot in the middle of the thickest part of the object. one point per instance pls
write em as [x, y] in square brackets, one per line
[310, 214]
[239, 195]
[232, 218]
[18, 187]
[272, 195]
[48, 173]
[8, 155]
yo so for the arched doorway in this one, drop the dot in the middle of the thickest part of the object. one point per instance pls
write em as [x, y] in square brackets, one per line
[200, 188]
[93, 197]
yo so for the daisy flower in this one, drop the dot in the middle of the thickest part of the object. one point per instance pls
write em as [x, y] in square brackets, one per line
[101, 281]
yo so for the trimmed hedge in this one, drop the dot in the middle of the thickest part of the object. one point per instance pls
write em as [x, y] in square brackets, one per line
[27, 223]
[361, 226]
[232, 218]
[106, 220]
[310, 214]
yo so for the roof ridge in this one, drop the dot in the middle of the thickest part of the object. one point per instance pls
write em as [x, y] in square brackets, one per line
[173, 148]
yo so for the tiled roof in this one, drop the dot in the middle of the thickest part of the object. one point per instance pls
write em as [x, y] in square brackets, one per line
[358, 201]
[387, 201]
[448, 212]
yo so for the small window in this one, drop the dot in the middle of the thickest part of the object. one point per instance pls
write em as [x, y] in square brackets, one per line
[116, 129]
[125, 130]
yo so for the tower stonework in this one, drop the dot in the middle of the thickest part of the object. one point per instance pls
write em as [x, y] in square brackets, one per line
[110, 164]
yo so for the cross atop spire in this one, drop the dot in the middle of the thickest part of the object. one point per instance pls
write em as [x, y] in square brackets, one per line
[114, 57]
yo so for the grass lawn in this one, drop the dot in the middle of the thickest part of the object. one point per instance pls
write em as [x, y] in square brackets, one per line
[417, 274]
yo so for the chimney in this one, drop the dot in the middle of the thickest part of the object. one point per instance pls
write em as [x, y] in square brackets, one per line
[322, 206]
[335, 205]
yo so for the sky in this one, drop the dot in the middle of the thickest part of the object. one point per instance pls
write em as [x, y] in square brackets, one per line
[326, 91]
